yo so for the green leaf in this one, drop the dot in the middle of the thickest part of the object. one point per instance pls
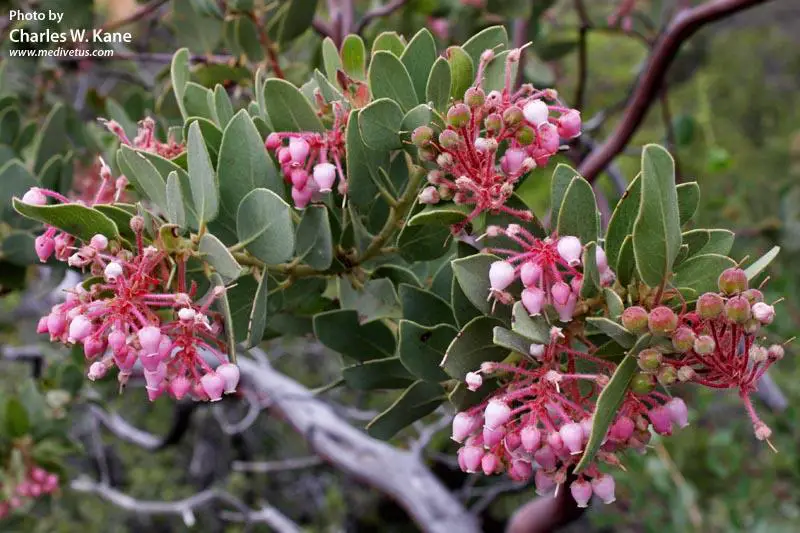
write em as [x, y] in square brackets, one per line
[340, 331]
[762, 263]
[533, 328]
[175, 203]
[720, 241]
[388, 78]
[493, 37]
[622, 336]
[362, 165]
[419, 116]
[331, 61]
[51, 138]
[121, 215]
[472, 346]
[462, 72]
[463, 309]
[257, 321]
[578, 213]
[297, 19]
[614, 303]
[607, 404]
[201, 176]
[376, 300]
[562, 178]
[511, 340]
[143, 175]
[437, 89]
[10, 122]
[688, 200]
[620, 225]
[16, 419]
[445, 214]
[626, 262]
[218, 256]
[264, 225]
[700, 272]
[75, 219]
[164, 167]
[354, 57]
[288, 109]
[15, 180]
[591, 275]
[380, 124]
[657, 229]
[244, 164]
[18, 249]
[397, 275]
[695, 240]
[314, 238]
[424, 307]
[462, 398]
[198, 101]
[423, 243]
[223, 105]
[223, 306]
[421, 349]
[472, 274]
[420, 399]
[388, 373]
[418, 58]
[388, 41]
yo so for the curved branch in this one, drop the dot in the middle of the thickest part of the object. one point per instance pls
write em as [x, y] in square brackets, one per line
[666, 48]
[382, 11]
[397, 473]
[185, 507]
[143, 12]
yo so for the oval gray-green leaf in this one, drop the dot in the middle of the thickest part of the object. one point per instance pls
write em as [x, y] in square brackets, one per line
[700, 272]
[473, 345]
[380, 124]
[437, 89]
[420, 399]
[218, 256]
[264, 224]
[388, 78]
[175, 210]
[421, 348]
[578, 213]
[462, 72]
[201, 176]
[288, 109]
[77, 220]
[257, 322]
[762, 263]
[143, 175]
[418, 58]
[314, 238]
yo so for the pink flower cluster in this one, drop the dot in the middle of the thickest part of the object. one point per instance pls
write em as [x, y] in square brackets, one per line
[146, 139]
[716, 345]
[491, 141]
[133, 316]
[538, 422]
[36, 483]
[312, 161]
[548, 268]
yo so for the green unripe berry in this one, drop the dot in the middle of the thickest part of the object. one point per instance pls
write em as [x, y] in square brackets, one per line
[449, 139]
[662, 320]
[683, 339]
[709, 306]
[512, 116]
[493, 123]
[649, 360]
[635, 319]
[421, 136]
[525, 135]
[643, 383]
[474, 97]
[737, 309]
[753, 296]
[732, 281]
[704, 345]
[667, 375]
[458, 116]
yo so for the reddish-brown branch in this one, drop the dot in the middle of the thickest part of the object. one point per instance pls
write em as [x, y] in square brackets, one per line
[666, 48]
[382, 11]
[136, 16]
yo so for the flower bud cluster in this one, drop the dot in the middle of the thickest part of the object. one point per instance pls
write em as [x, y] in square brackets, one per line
[146, 139]
[716, 345]
[549, 268]
[311, 161]
[133, 316]
[491, 141]
[16, 493]
[537, 423]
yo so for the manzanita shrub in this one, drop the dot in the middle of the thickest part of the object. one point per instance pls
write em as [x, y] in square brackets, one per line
[376, 208]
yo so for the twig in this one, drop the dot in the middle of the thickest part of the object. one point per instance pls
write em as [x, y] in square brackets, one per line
[399, 474]
[583, 55]
[124, 430]
[136, 16]
[382, 11]
[666, 48]
[264, 467]
[185, 508]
